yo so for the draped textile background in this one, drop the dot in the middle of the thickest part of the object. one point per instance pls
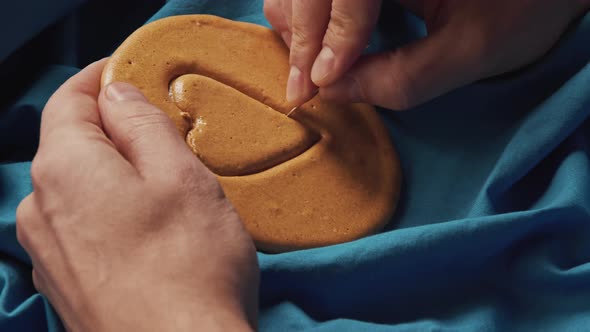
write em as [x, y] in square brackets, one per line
[493, 228]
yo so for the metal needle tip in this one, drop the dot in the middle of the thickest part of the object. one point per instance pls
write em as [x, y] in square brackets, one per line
[292, 111]
[315, 93]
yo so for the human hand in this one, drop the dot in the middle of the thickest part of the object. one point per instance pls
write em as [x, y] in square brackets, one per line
[467, 41]
[126, 228]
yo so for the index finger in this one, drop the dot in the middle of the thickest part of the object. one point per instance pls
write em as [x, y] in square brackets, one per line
[75, 102]
[308, 25]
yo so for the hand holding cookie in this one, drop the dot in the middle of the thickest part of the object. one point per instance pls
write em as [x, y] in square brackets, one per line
[467, 41]
[126, 229]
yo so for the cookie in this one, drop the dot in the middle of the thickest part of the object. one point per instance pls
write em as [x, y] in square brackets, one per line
[326, 175]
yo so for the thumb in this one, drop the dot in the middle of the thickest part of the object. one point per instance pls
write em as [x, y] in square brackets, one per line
[142, 133]
[408, 76]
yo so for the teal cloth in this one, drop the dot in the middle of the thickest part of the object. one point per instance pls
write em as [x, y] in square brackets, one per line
[492, 232]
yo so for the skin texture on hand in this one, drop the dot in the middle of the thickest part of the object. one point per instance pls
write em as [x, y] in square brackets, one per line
[126, 229]
[467, 40]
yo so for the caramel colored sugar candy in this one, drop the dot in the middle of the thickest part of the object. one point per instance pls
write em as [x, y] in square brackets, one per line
[327, 175]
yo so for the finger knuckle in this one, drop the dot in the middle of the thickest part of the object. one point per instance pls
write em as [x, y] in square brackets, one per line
[188, 186]
[182, 175]
[300, 39]
[197, 178]
[344, 27]
[22, 222]
[202, 182]
[339, 27]
[43, 168]
[210, 185]
[142, 121]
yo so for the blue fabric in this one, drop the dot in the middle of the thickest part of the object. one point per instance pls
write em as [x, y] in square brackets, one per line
[493, 228]
[38, 14]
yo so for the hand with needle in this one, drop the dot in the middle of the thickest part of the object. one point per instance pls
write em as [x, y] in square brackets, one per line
[467, 41]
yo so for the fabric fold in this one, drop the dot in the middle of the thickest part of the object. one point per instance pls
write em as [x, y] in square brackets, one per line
[492, 232]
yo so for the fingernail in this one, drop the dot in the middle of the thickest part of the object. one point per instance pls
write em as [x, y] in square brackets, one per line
[294, 84]
[119, 91]
[323, 65]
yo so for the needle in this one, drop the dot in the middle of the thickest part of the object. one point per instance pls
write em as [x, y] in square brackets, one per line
[292, 111]
[297, 107]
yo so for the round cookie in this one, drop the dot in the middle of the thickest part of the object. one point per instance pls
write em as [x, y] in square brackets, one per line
[326, 175]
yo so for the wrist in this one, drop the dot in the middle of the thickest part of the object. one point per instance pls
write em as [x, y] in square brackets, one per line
[179, 317]
[213, 319]
[155, 308]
